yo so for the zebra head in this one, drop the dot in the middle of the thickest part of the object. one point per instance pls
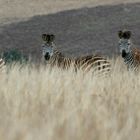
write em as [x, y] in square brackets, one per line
[48, 46]
[124, 42]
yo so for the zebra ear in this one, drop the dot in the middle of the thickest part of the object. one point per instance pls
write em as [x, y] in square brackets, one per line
[52, 37]
[45, 37]
[127, 34]
[120, 34]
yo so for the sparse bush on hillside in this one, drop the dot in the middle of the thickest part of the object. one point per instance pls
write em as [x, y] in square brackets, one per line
[14, 56]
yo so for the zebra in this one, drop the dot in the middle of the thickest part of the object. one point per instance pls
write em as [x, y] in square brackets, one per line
[130, 55]
[52, 56]
[2, 66]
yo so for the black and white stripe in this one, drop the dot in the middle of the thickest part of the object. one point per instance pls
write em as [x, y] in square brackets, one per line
[52, 56]
[130, 55]
[2, 66]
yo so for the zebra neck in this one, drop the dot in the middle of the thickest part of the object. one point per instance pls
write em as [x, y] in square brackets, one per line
[57, 54]
[129, 56]
[130, 61]
[56, 58]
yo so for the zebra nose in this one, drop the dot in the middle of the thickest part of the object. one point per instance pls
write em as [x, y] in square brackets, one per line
[47, 56]
[123, 53]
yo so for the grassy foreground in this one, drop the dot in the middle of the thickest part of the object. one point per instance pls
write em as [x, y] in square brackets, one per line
[40, 104]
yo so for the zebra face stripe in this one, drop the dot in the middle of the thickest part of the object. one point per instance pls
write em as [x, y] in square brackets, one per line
[47, 49]
[124, 45]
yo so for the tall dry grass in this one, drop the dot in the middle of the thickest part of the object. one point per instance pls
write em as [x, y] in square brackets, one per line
[45, 104]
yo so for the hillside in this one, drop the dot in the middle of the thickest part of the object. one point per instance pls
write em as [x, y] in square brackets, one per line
[16, 10]
[89, 29]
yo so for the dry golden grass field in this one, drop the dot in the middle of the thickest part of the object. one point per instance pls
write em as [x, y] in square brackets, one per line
[44, 104]
[52, 104]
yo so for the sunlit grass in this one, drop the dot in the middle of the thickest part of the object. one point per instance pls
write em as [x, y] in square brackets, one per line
[43, 103]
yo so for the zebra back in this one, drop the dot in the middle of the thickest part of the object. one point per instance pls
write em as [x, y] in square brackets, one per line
[95, 63]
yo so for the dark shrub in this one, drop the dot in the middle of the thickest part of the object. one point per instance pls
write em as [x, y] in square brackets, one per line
[14, 56]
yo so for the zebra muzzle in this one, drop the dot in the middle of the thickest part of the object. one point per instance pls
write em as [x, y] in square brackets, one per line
[123, 53]
[47, 56]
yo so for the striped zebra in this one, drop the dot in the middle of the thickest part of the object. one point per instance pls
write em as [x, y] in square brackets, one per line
[130, 55]
[2, 66]
[52, 56]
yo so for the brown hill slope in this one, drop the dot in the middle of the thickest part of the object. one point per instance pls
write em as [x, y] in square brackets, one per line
[82, 31]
